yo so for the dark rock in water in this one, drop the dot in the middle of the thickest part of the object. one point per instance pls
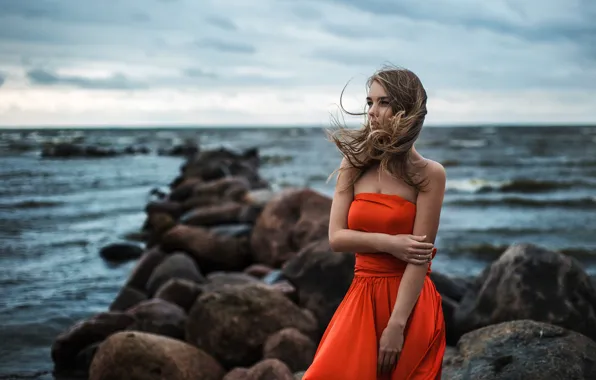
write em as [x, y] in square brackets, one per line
[232, 230]
[184, 150]
[522, 349]
[258, 270]
[136, 355]
[144, 268]
[226, 213]
[213, 192]
[158, 194]
[71, 342]
[288, 223]
[449, 287]
[174, 209]
[234, 322]
[127, 298]
[530, 282]
[322, 279]
[291, 347]
[183, 190]
[176, 265]
[72, 150]
[120, 252]
[211, 252]
[180, 292]
[159, 317]
[268, 369]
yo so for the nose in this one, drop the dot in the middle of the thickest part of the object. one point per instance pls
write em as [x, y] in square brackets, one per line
[372, 110]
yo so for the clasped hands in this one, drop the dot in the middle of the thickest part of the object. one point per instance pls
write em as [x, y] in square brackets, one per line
[409, 248]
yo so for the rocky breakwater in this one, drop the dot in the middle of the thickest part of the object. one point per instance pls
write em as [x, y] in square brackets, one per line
[237, 282]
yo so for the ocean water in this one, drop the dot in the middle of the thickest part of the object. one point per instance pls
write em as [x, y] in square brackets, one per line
[505, 185]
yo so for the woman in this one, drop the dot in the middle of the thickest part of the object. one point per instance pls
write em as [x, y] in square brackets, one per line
[386, 207]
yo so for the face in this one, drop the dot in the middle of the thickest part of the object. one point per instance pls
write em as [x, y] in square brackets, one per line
[379, 108]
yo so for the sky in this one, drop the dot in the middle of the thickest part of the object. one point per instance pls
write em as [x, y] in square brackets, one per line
[285, 62]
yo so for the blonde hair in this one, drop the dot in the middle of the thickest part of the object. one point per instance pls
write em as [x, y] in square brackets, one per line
[389, 145]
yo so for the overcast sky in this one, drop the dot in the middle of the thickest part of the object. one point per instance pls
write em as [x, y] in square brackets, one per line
[214, 62]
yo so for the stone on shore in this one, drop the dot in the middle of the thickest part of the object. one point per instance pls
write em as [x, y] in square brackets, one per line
[159, 317]
[522, 349]
[530, 282]
[180, 292]
[233, 322]
[291, 347]
[142, 356]
[176, 265]
[121, 252]
[268, 369]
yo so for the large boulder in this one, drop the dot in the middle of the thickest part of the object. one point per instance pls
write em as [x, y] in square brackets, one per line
[522, 349]
[289, 222]
[180, 292]
[144, 268]
[127, 298]
[268, 369]
[321, 278]
[176, 265]
[84, 333]
[143, 356]
[224, 213]
[291, 347]
[530, 282]
[159, 317]
[233, 322]
[210, 251]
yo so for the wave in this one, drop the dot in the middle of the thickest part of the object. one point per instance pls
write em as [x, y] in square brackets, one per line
[566, 163]
[514, 186]
[584, 203]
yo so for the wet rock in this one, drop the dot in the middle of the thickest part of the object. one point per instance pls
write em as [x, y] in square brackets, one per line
[522, 349]
[127, 298]
[226, 213]
[211, 252]
[144, 268]
[71, 150]
[174, 209]
[258, 270]
[157, 225]
[291, 347]
[226, 188]
[180, 292]
[451, 331]
[322, 279]
[234, 322]
[120, 252]
[176, 265]
[182, 191]
[232, 230]
[84, 333]
[143, 356]
[159, 317]
[447, 286]
[289, 222]
[530, 282]
[268, 369]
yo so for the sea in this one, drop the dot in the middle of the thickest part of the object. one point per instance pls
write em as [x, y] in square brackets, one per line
[505, 185]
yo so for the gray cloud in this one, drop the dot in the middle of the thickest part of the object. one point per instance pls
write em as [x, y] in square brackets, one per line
[223, 23]
[226, 46]
[2, 79]
[114, 82]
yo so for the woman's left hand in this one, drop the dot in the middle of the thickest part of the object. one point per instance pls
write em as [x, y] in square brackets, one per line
[390, 345]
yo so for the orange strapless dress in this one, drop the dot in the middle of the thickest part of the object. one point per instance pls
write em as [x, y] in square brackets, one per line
[349, 347]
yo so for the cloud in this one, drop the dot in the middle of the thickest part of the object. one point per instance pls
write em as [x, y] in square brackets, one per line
[2, 79]
[114, 82]
[282, 62]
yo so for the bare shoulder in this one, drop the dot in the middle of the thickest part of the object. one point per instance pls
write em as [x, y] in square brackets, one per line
[435, 176]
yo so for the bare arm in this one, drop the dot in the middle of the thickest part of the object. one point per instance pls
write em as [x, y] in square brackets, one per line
[428, 211]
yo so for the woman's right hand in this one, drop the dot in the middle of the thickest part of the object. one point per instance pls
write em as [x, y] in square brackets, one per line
[409, 248]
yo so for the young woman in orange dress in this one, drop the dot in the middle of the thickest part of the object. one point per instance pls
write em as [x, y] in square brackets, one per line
[386, 208]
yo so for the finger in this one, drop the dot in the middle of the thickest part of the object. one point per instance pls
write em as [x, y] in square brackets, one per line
[423, 252]
[380, 362]
[392, 362]
[387, 362]
[422, 245]
[418, 238]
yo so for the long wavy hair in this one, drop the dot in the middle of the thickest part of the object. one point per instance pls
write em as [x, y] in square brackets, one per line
[388, 145]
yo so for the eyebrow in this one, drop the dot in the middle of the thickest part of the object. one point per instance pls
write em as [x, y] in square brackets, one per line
[380, 98]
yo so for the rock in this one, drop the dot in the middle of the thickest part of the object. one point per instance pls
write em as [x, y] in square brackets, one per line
[171, 208]
[159, 317]
[447, 286]
[143, 356]
[180, 292]
[156, 225]
[522, 349]
[530, 282]
[225, 189]
[234, 322]
[322, 279]
[84, 333]
[176, 265]
[226, 213]
[211, 252]
[268, 369]
[127, 298]
[182, 191]
[232, 230]
[289, 222]
[120, 252]
[291, 347]
[451, 332]
[144, 268]
[258, 270]
[72, 150]
[299, 375]
[287, 289]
